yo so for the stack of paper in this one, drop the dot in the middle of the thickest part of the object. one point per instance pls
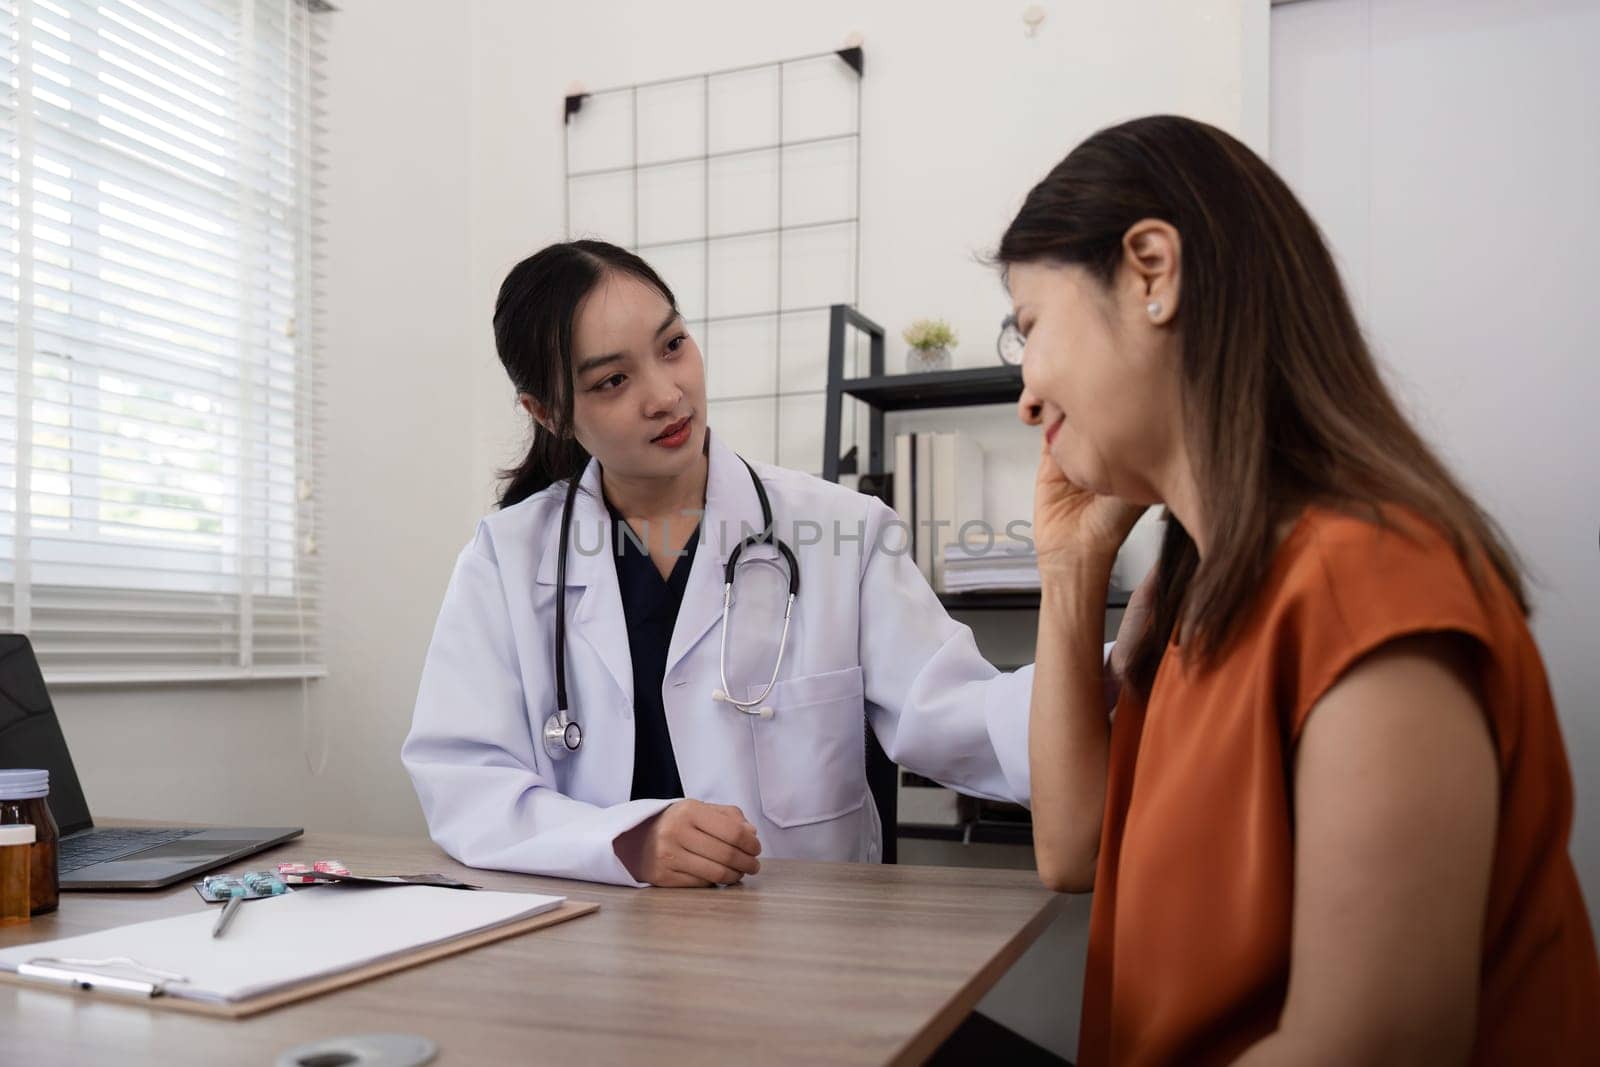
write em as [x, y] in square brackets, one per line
[1002, 566]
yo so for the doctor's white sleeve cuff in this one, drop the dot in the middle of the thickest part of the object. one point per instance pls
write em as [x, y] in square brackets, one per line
[614, 822]
[626, 817]
[578, 842]
[1006, 700]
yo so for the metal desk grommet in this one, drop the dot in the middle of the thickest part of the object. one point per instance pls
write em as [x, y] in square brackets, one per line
[364, 1050]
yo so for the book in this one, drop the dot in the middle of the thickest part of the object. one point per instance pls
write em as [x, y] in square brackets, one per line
[913, 482]
[957, 496]
[922, 499]
[904, 483]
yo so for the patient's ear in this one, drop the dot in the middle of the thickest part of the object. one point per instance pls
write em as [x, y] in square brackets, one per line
[1152, 259]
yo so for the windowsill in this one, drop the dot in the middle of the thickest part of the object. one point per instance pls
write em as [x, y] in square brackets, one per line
[217, 676]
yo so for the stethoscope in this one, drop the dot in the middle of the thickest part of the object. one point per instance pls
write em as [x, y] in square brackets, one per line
[562, 734]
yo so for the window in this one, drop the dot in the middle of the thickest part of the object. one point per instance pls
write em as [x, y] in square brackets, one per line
[158, 367]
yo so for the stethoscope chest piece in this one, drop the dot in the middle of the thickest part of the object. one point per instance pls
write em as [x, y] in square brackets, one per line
[562, 735]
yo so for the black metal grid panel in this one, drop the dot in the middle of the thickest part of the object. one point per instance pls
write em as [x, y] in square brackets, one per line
[627, 231]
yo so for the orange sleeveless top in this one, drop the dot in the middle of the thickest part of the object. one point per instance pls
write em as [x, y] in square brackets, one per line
[1189, 934]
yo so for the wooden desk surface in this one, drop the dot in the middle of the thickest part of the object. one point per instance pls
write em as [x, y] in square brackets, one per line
[805, 963]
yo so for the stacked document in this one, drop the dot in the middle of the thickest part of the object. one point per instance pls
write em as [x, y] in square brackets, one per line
[1004, 565]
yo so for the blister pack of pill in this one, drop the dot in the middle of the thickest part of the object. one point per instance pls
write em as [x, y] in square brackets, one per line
[249, 885]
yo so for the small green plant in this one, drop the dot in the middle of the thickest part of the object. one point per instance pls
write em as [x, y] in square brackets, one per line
[929, 333]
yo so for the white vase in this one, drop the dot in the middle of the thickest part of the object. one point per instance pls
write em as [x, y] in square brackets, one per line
[923, 360]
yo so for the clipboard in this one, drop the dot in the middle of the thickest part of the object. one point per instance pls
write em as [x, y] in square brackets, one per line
[141, 983]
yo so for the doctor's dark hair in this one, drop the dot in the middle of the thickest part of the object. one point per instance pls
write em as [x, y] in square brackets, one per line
[533, 329]
[1283, 404]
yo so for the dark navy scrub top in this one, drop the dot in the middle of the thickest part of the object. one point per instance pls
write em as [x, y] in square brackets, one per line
[650, 608]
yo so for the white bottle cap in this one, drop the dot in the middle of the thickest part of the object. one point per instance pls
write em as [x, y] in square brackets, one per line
[24, 784]
[22, 834]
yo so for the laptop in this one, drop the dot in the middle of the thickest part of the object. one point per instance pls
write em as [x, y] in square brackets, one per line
[92, 857]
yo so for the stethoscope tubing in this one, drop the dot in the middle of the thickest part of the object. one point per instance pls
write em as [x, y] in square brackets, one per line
[563, 735]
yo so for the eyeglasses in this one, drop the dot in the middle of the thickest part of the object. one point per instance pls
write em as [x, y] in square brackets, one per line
[1008, 346]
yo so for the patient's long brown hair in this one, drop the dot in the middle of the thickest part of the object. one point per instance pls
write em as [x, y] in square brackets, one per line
[1283, 404]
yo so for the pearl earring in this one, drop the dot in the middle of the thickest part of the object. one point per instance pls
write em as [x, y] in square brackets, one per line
[1154, 308]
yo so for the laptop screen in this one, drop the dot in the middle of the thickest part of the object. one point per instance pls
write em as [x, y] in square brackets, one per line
[30, 736]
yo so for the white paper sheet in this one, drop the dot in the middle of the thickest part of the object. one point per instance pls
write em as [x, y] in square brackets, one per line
[282, 941]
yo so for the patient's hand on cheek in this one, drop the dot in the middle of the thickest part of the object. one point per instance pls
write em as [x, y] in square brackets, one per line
[1073, 526]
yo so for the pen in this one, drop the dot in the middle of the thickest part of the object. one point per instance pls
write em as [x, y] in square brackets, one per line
[227, 915]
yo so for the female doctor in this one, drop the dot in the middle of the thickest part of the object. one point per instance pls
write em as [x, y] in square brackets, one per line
[593, 707]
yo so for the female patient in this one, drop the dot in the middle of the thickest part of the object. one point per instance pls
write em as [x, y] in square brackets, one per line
[1335, 798]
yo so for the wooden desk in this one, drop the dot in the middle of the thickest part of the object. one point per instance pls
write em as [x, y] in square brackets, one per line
[806, 963]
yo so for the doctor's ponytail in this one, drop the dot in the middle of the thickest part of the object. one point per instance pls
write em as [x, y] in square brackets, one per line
[533, 328]
[550, 459]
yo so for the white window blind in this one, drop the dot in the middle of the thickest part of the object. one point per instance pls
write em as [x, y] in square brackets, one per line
[159, 430]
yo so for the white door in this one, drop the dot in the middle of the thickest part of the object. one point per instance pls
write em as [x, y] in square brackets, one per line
[1450, 150]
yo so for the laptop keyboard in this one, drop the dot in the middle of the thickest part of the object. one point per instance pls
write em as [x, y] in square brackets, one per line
[102, 845]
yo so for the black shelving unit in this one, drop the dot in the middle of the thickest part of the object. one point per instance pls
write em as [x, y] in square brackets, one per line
[980, 832]
[938, 389]
[882, 393]
[991, 600]
[1008, 600]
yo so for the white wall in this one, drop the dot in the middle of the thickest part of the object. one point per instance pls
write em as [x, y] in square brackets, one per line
[1449, 150]
[399, 482]
[961, 114]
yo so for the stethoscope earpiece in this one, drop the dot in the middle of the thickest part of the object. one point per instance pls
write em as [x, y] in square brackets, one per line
[562, 734]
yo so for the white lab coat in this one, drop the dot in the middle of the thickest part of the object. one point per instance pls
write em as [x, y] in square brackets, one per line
[868, 639]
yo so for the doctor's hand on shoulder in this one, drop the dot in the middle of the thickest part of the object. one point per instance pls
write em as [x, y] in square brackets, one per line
[691, 844]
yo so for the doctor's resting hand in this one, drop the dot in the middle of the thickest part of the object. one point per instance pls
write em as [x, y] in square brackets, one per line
[691, 845]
